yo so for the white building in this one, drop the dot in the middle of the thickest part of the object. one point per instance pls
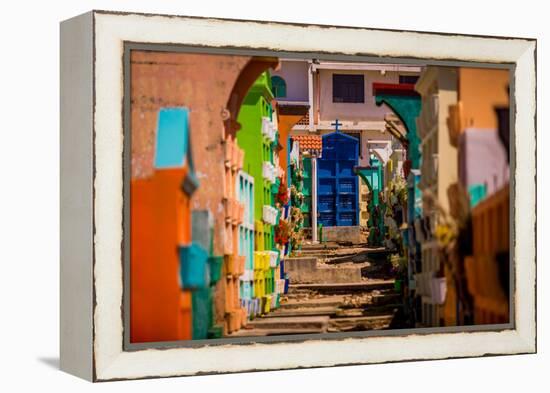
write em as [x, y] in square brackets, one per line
[343, 91]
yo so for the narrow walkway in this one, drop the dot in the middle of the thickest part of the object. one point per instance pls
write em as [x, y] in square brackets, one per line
[370, 302]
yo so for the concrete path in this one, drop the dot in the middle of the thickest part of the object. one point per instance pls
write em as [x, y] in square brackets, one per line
[304, 311]
[333, 289]
[359, 296]
[291, 322]
[362, 286]
[311, 302]
[261, 332]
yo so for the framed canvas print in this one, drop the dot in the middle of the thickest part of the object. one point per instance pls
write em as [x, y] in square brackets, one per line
[244, 195]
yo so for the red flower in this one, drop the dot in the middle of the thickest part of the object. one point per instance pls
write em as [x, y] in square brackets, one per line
[282, 193]
[282, 232]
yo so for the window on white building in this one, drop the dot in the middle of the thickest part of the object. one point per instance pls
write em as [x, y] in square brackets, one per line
[348, 88]
[409, 79]
[278, 85]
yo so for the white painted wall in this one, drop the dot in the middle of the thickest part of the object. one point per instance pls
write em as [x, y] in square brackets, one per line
[295, 75]
[366, 111]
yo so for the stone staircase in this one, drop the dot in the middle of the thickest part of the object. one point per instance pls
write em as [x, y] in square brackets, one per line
[311, 270]
[333, 289]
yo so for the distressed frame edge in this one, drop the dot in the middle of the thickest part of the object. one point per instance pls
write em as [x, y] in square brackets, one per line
[302, 24]
[525, 295]
[526, 340]
[76, 196]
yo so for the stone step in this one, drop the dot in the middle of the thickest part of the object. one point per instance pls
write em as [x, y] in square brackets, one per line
[343, 234]
[328, 274]
[320, 246]
[360, 323]
[348, 287]
[308, 270]
[361, 319]
[358, 256]
[297, 322]
[313, 254]
[367, 311]
[300, 263]
[338, 250]
[331, 301]
[273, 332]
[303, 311]
[316, 250]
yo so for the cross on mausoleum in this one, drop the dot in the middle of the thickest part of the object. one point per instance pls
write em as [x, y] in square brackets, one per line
[336, 124]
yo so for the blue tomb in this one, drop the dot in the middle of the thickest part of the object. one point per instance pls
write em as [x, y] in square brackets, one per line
[337, 184]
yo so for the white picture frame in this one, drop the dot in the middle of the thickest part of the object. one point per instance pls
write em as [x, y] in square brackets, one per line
[92, 195]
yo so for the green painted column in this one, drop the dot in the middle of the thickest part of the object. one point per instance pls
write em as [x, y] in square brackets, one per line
[258, 138]
[407, 108]
[256, 105]
[373, 178]
[201, 299]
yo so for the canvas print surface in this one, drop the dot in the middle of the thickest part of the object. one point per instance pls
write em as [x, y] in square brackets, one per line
[280, 196]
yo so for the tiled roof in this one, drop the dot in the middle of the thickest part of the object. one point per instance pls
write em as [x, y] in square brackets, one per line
[304, 121]
[309, 142]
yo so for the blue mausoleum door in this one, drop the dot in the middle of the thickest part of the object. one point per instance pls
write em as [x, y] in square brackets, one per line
[337, 184]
